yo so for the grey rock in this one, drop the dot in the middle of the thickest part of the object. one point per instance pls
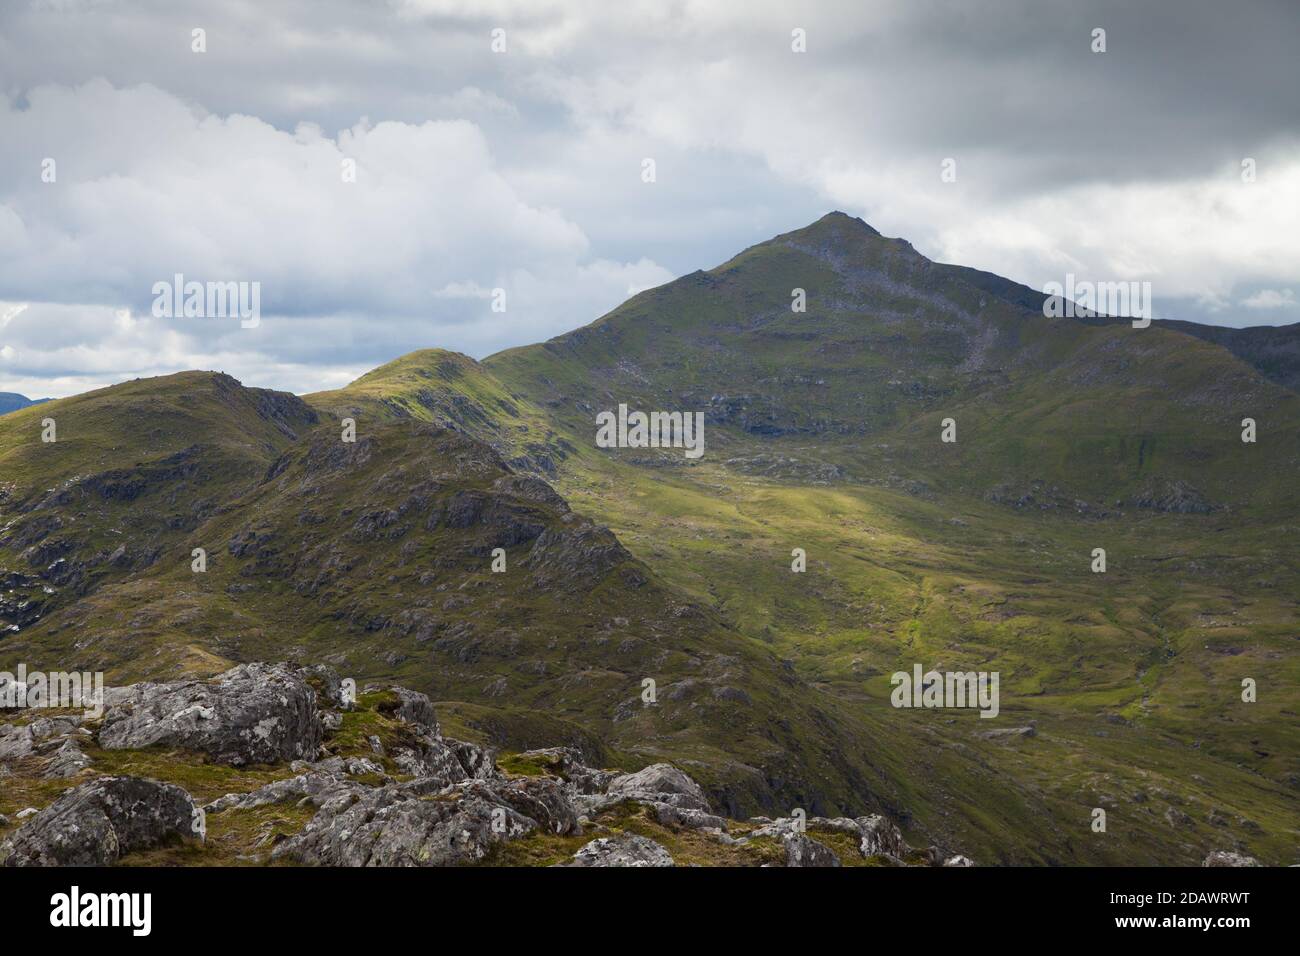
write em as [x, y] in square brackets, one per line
[403, 825]
[98, 822]
[16, 741]
[416, 708]
[326, 680]
[660, 783]
[671, 816]
[316, 787]
[66, 761]
[1229, 858]
[540, 799]
[430, 756]
[802, 850]
[253, 713]
[624, 850]
[881, 838]
[477, 762]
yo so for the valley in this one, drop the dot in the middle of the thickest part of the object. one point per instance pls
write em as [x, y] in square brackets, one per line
[1118, 690]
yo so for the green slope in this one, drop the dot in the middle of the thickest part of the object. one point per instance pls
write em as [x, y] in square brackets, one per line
[822, 433]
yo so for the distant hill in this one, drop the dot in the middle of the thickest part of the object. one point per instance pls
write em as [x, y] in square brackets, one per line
[12, 401]
[1272, 349]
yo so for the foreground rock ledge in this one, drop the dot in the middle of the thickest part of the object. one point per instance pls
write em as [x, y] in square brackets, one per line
[415, 798]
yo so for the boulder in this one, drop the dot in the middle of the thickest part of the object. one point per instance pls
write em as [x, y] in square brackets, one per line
[478, 762]
[540, 799]
[16, 741]
[66, 760]
[251, 714]
[671, 816]
[316, 787]
[802, 850]
[405, 825]
[881, 838]
[660, 783]
[1229, 858]
[415, 708]
[98, 822]
[627, 849]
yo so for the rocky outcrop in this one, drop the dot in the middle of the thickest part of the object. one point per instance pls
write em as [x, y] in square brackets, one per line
[98, 822]
[627, 849]
[1229, 858]
[660, 783]
[801, 850]
[410, 824]
[53, 742]
[876, 836]
[251, 714]
[675, 799]
[881, 838]
[414, 798]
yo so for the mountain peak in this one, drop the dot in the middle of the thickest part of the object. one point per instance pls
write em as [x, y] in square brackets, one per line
[835, 230]
[835, 219]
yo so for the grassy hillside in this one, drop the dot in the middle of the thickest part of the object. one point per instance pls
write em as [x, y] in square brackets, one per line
[1120, 690]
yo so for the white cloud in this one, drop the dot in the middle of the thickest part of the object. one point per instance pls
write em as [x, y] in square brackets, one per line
[148, 186]
[1270, 299]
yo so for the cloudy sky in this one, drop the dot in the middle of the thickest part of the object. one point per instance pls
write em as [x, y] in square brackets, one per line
[479, 169]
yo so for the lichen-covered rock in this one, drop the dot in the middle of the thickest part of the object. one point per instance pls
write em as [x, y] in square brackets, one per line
[251, 714]
[98, 822]
[802, 850]
[16, 741]
[881, 838]
[405, 825]
[1229, 858]
[315, 787]
[415, 708]
[20, 740]
[660, 783]
[670, 816]
[539, 798]
[624, 850]
[478, 762]
[326, 681]
[65, 760]
[430, 756]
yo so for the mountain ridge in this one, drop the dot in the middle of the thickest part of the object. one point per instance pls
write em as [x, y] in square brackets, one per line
[823, 434]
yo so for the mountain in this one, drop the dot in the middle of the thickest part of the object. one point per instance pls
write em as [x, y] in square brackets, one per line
[1120, 690]
[12, 401]
[1273, 350]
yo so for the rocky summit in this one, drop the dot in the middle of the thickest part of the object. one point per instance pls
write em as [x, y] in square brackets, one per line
[315, 777]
